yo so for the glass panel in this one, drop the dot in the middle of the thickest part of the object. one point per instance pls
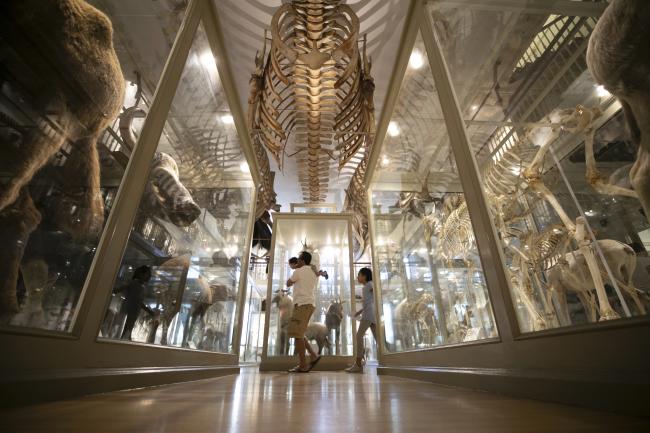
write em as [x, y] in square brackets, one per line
[531, 104]
[254, 311]
[327, 240]
[62, 154]
[432, 286]
[313, 208]
[179, 278]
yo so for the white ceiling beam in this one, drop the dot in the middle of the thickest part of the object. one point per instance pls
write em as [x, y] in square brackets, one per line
[559, 7]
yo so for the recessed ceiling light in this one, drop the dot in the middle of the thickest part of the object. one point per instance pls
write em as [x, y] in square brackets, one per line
[602, 92]
[227, 119]
[416, 60]
[393, 129]
[474, 107]
[244, 167]
[207, 60]
[384, 162]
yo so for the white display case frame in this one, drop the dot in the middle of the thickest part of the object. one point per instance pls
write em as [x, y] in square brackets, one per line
[284, 362]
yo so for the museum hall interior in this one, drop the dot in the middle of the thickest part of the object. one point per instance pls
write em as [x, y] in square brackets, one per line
[325, 215]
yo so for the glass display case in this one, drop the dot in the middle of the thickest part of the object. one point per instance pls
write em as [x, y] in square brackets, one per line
[328, 238]
[556, 160]
[429, 272]
[252, 340]
[180, 276]
[62, 152]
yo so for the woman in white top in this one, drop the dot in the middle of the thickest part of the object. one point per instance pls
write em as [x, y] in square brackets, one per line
[368, 317]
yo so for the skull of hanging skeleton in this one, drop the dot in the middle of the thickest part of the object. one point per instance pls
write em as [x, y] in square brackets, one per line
[315, 87]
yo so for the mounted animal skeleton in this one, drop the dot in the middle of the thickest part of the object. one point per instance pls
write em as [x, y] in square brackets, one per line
[314, 85]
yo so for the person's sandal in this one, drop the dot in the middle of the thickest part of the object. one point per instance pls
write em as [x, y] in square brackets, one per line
[354, 369]
[297, 369]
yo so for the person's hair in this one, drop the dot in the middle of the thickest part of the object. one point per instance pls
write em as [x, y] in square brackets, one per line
[306, 257]
[366, 272]
[293, 260]
[140, 271]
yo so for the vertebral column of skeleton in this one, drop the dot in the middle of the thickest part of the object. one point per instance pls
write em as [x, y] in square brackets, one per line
[312, 89]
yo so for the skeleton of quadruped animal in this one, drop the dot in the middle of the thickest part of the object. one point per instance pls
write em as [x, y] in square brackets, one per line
[316, 86]
[520, 171]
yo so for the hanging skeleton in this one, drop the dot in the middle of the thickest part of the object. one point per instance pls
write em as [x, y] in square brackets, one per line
[316, 86]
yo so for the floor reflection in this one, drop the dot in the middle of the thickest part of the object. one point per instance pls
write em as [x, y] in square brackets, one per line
[316, 402]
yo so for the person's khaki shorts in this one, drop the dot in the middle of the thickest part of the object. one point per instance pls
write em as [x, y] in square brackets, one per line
[299, 320]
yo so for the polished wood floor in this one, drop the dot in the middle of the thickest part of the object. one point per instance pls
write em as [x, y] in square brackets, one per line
[315, 402]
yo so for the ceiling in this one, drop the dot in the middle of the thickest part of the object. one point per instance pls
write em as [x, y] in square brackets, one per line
[144, 32]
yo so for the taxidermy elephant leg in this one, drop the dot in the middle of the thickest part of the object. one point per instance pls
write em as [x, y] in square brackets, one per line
[81, 211]
[36, 149]
[17, 222]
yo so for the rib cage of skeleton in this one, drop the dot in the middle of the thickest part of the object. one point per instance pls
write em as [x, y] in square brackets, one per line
[314, 91]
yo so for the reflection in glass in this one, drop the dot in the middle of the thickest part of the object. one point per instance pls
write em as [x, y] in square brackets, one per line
[191, 224]
[254, 311]
[546, 136]
[432, 286]
[62, 156]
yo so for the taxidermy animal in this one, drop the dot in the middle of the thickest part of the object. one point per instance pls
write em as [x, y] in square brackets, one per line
[319, 333]
[404, 324]
[61, 58]
[285, 310]
[333, 319]
[164, 196]
[618, 59]
[37, 281]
